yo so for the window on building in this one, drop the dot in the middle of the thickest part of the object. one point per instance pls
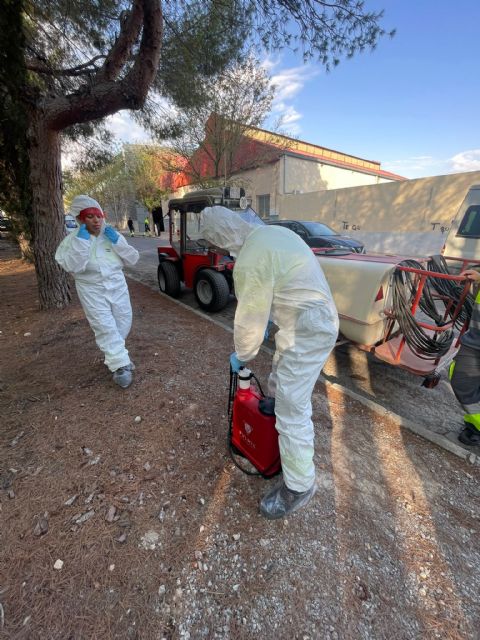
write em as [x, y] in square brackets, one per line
[263, 205]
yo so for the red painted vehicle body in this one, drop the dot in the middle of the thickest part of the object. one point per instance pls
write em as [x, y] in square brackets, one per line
[186, 261]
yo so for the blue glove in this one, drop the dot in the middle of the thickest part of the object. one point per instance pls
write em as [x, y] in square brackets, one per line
[111, 234]
[235, 363]
[83, 233]
[268, 329]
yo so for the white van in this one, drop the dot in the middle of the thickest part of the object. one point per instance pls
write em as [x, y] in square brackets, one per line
[70, 223]
[463, 240]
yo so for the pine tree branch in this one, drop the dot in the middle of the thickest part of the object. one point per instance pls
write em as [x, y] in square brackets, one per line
[81, 69]
[131, 24]
[102, 96]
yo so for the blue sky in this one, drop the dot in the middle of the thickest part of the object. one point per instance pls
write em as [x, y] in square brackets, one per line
[412, 104]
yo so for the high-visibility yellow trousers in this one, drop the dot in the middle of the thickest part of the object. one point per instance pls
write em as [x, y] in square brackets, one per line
[465, 380]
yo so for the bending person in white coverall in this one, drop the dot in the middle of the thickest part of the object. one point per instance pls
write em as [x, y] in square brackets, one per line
[95, 256]
[277, 278]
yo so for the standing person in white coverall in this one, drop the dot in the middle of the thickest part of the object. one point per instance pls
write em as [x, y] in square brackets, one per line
[95, 256]
[278, 279]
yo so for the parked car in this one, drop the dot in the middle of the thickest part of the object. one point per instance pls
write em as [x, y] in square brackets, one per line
[318, 235]
[70, 223]
[5, 225]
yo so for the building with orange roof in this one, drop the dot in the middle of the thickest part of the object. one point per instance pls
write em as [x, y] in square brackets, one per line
[271, 166]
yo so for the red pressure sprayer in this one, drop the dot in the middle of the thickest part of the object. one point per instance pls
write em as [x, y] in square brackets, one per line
[252, 432]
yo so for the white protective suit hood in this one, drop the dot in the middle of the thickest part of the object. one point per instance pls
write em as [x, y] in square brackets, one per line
[225, 229]
[82, 202]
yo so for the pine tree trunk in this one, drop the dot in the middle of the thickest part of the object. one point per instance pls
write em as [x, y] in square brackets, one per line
[48, 215]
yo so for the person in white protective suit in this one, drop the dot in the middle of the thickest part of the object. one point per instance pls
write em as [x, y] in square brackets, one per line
[278, 279]
[95, 256]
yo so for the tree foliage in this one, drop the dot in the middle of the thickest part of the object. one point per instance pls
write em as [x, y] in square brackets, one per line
[211, 130]
[134, 174]
[108, 184]
[89, 146]
[145, 166]
[327, 31]
[15, 194]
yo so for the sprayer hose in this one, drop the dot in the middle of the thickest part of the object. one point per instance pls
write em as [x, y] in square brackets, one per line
[450, 289]
[421, 343]
[427, 301]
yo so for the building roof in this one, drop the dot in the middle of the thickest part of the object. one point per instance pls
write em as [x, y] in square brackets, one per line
[259, 147]
[299, 148]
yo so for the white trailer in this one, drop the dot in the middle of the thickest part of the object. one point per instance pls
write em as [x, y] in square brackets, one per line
[407, 313]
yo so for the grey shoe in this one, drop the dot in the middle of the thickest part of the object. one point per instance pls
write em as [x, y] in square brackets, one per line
[282, 501]
[123, 377]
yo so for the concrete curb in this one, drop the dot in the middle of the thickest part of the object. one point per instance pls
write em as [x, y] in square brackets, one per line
[431, 436]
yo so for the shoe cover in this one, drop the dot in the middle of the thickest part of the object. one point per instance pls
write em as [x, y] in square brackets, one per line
[123, 377]
[281, 501]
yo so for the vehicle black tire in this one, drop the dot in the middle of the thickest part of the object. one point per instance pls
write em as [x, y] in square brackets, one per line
[168, 279]
[211, 290]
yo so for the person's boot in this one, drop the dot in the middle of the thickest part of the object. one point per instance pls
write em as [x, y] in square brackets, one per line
[469, 435]
[282, 501]
[123, 376]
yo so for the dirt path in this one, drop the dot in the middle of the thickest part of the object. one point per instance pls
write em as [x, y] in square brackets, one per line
[158, 532]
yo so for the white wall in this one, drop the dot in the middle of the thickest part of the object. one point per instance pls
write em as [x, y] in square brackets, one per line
[412, 216]
[259, 182]
[304, 176]
[292, 174]
[413, 244]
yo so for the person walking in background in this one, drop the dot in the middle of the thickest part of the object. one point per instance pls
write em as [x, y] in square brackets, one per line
[95, 256]
[146, 222]
[465, 372]
[278, 279]
[158, 224]
[131, 228]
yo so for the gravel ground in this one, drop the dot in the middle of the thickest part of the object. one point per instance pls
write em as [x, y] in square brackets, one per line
[123, 517]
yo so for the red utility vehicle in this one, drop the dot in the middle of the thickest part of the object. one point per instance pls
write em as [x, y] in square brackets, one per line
[188, 260]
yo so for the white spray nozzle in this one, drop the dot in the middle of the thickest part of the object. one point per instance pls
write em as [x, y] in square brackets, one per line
[244, 377]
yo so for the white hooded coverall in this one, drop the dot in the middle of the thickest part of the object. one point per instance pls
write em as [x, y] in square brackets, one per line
[97, 266]
[278, 277]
